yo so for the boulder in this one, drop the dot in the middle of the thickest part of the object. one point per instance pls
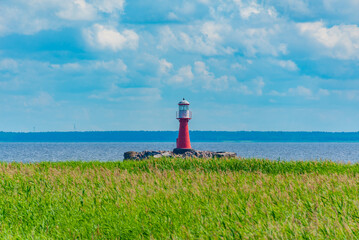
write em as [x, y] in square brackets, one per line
[186, 153]
[225, 155]
[130, 155]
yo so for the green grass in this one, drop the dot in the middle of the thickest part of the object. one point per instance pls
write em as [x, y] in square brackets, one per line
[180, 199]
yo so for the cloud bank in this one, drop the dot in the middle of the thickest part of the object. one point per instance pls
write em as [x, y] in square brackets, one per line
[117, 59]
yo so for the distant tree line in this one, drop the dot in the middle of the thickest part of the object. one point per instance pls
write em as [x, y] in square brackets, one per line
[170, 136]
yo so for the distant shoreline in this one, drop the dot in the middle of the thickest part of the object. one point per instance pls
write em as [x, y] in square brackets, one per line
[243, 142]
[170, 136]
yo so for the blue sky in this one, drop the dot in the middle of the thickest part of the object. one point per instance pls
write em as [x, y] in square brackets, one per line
[289, 65]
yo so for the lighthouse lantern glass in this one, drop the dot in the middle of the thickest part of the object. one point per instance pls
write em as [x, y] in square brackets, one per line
[183, 107]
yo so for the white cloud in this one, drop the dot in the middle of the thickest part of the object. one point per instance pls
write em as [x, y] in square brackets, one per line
[323, 92]
[207, 41]
[225, 32]
[204, 1]
[32, 16]
[258, 41]
[78, 10]
[186, 8]
[21, 20]
[42, 99]
[351, 95]
[276, 93]
[114, 66]
[253, 87]
[258, 85]
[308, 93]
[296, 6]
[250, 8]
[13, 84]
[70, 66]
[118, 94]
[212, 31]
[164, 66]
[342, 9]
[237, 66]
[109, 6]
[184, 76]
[208, 79]
[339, 41]
[8, 64]
[86, 10]
[287, 64]
[103, 37]
[200, 68]
[201, 78]
[172, 16]
[244, 89]
[300, 91]
[246, 10]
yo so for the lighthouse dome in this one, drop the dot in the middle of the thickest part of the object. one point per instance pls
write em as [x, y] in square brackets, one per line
[183, 102]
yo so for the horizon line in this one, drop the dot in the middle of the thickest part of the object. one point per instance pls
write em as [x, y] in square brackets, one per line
[234, 131]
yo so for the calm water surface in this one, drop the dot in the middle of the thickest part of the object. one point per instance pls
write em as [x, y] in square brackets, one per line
[37, 152]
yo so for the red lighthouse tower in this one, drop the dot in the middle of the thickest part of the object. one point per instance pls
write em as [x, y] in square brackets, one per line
[183, 115]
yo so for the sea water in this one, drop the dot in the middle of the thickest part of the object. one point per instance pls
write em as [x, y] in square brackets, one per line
[79, 151]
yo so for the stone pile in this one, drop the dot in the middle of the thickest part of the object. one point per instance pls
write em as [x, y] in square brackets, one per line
[187, 154]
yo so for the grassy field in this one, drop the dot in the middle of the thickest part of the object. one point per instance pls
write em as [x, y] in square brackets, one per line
[180, 199]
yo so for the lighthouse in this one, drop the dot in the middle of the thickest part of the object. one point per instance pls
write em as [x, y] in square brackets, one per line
[183, 115]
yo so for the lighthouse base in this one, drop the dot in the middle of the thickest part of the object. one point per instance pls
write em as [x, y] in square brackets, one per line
[182, 150]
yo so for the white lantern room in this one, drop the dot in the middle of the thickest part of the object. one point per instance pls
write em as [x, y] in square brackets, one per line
[184, 112]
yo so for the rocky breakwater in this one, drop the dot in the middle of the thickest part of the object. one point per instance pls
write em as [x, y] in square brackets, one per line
[137, 156]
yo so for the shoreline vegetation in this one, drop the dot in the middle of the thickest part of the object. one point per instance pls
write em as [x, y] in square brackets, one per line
[180, 198]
